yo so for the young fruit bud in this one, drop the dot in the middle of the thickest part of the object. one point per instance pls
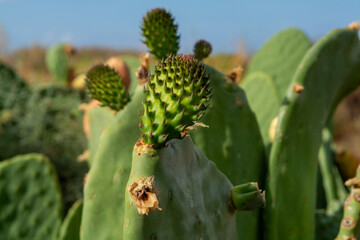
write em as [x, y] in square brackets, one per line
[202, 49]
[160, 33]
[176, 96]
[105, 85]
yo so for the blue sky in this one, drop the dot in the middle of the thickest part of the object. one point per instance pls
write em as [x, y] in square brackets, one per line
[116, 23]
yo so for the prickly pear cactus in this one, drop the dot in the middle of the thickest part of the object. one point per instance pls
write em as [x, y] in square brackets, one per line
[173, 181]
[175, 97]
[264, 100]
[109, 172]
[202, 49]
[57, 62]
[98, 118]
[233, 141]
[14, 93]
[160, 33]
[30, 199]
[280, 57]
[176, 193]
[70, 228]
[52, 126]
[329, 71]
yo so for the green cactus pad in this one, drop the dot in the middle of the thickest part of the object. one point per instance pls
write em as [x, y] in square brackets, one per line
[176, 95]
[105, 85]
[57, 62]
[99, 119]
[30, 199]
[202, 49]
[103, 190]
[160, 33]
[264, 100]
[177, 193]
[280, 57]
[328, 72]
[70, 228]
[233, 141]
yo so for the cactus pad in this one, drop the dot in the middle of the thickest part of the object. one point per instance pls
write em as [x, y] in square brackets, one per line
[57, 62]
[264, 100]
[280, 57]
[175, 97]
[328, 72]
[202, 49]
[105, 85]
[109, 172]
[160, 33]
[70, 228]
[233, 141]
[30, 199]
[176, 193]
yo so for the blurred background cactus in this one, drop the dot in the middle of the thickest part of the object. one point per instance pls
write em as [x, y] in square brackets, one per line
[58, 63]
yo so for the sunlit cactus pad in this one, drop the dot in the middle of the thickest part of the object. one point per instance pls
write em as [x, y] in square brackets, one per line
[30, 199]
[160, 33]
[105, 85]
[175, 98]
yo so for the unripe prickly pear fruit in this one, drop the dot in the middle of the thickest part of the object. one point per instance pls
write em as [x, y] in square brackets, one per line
[160, 33]
[122, 68]
[105, 85]
[202, 49]
[175, 97]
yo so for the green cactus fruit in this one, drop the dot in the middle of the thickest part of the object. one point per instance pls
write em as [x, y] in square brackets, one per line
[70, 228]
[57, 62]
[160, 33]
[105, 85]
[104, 187]
[264, 100]
[30, 199]
[14, 92]
[280, 57]
[175, 97]
[233, 141]
[328, 72]
[202, 49]
[176, 193]
[350, 220]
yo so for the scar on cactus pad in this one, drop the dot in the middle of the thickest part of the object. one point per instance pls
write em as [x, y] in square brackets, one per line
[202, 49]
[105, 85]
[175, 98]
[160, 33]
[142, 192]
